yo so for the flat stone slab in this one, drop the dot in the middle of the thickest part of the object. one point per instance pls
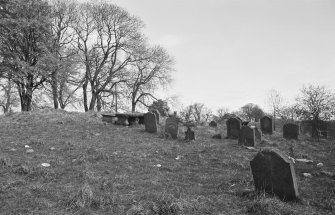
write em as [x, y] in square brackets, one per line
[274, 173]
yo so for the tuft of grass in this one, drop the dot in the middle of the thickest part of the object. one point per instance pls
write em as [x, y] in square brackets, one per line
[5, 161]
[82, 199]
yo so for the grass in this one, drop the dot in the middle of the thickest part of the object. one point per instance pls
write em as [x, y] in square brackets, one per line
[101, 168]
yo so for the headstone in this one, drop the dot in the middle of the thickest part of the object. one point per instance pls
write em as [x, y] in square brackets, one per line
[171, 127]
[266, 125]
[290, 131]
[246, 136]
[156, 112]
[213, 124]
[274, 173]
[189, 134]
[233, 128]
[150, 122]
[258, 134]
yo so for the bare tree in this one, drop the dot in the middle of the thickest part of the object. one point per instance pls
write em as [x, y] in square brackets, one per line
[107, 38]
[315, 103]
[251, 112]
[9, 99]
[197, 113]
[152, 70]
[275, 101]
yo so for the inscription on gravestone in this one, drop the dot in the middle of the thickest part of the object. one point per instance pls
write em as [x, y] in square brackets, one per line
[171, 127]
[266, 125]
[233, 128]
[150, 122]
[246, 136]
[290, 131]
[274, 173]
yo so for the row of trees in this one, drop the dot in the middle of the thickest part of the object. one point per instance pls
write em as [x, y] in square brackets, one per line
[313, 103]
[54, 49]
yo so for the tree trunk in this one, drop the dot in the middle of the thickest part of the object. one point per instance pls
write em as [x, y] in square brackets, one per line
[8, 96]
[54, 86]
[99, 103]
[93, 100]
[274, 120]
[85, 95]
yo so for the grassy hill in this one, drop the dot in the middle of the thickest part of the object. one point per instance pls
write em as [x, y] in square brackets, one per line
[101, 168]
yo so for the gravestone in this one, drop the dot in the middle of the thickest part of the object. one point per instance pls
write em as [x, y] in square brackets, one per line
[258, 134]
[150, 122]
[233, 128]
[266, 125]
[290, 131]
[156, 112]
[213, 124]
[274, 173]
[171, 127]
[189, 134]
[246, 136]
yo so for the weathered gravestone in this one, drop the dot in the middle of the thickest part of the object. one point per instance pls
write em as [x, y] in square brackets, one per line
[213, 124]
[290, 131]
[233, 128]
[189, 134]
[273, 172]
[246, 136]
[266, 125]
[258, 134]
[157, 114]
[150, 122]
[171, 127]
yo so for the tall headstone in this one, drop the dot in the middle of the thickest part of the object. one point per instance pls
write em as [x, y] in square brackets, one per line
[171, 127]
[233, 128]
[290, 131]
[266, 125]
[247, 136]
[274, 173]
[258, 134]
[150, 122]
[156, 112]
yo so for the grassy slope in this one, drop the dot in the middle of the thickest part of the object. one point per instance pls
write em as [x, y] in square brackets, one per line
[99, 168]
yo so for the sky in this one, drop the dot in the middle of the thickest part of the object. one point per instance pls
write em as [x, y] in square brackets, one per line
[232, 52]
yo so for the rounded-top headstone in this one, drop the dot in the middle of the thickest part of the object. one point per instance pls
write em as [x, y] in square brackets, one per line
[233, 127]
[150, 122]
[266, 125]
[171, 126]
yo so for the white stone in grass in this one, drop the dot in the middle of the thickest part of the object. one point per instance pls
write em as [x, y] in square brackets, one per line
[304, 160]
[45, 164]
[307, 175]
[26, 146]
[12, 149]
[178, 157]
[319, 165]
[52, 148]
[158, 165]
[30, 151]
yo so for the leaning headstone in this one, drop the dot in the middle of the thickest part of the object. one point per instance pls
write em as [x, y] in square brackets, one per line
[274, 173]
[171, 127]
[233, 128]
[266, 125]
[150, 122]
[246, 136]
[290, 131]
[213, 124]
[156, 112]
[189, 134]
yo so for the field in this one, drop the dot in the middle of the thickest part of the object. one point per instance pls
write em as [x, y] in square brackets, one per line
[101, 168]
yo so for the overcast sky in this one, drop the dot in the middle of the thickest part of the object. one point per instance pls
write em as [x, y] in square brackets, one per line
[232, 52]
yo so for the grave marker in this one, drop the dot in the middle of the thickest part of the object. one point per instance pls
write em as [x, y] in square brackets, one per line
[246, 136]
[273, 172]
[233, 128]
[156, 112]
[290, 131]
[266, 125]
[171, 127]
[150, 122]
